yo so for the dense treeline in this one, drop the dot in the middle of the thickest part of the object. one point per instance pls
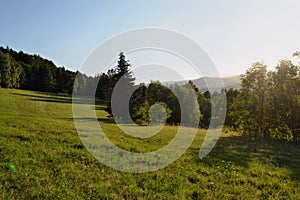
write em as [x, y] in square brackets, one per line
[32, 72]
[267, 105]
[142, 97]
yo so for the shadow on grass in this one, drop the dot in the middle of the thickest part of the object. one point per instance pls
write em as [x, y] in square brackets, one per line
[241, 150]
[50, 98]
[103, 120]
[61, 98]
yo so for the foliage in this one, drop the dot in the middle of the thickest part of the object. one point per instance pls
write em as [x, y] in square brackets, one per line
[268, 103]
[10, 72]
[31, 72]
[120, 80]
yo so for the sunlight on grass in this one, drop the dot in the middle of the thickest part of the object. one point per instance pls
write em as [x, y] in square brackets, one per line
[43, 157]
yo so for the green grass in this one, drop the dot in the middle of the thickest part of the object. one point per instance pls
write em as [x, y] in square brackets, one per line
[42, 157]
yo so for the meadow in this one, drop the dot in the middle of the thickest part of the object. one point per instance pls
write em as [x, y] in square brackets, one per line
[42, 157]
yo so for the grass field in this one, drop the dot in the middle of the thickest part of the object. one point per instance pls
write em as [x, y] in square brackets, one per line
[42, 157]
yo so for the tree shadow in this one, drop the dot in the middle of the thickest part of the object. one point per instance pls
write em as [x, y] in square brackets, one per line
[240, 150]
[100, 119]
[62, 98]
[48, 98]
[53, 94]
[67, 99]
[99, 106]
[52, 100]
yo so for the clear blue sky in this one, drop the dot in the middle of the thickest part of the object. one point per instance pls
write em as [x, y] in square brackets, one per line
[235, 33]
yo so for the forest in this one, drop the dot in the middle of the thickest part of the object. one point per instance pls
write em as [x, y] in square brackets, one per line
[267, 105]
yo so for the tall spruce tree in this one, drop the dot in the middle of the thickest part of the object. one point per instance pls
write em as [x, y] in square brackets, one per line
[124, 78]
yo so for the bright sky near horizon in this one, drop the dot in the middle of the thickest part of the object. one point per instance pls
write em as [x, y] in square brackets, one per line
[234, 33]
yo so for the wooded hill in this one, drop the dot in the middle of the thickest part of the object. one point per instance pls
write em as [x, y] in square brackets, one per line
[32, 72]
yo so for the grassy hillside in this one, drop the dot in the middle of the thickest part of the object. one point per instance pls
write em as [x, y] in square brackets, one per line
[43, 157]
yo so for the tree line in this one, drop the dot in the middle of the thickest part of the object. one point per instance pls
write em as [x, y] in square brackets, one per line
[267, 105]
[32, 72]
[143, 96]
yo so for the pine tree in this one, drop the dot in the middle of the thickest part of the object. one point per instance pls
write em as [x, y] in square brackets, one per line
[125, 80]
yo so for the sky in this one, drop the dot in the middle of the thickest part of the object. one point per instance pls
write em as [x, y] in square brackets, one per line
[234, 33]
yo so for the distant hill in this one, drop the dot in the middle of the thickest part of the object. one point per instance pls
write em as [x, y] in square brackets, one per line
[229, 82]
